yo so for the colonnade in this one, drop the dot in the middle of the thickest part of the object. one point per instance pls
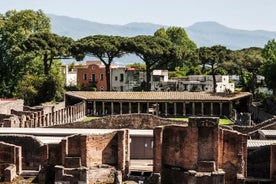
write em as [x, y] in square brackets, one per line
[184, 109]
[64, 115]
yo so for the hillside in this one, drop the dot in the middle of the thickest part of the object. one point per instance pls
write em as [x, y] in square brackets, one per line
[202, 33]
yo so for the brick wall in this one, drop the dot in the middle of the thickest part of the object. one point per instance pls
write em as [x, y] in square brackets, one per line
[233, 154]
[95, 148]
[31, 149]
[273, 162]
[10, 154]
[196, 153]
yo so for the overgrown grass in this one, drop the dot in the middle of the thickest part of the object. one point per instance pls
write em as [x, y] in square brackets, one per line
[222, 121]
[89, 118]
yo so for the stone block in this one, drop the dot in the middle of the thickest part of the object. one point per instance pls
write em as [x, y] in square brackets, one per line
[10, 173]
[203, 121]
[72, 162]
[206, 166]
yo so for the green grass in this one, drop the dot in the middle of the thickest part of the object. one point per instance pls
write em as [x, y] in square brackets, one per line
[89, 118]
[222, 121]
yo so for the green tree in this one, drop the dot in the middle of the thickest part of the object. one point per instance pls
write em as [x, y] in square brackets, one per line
[269, 66]
[37, 88]
[187, 47]
[106, 48]
[152, 50]
[137, 66]
[250, 64]
[15, 28]
[213, 57]
[48, 46]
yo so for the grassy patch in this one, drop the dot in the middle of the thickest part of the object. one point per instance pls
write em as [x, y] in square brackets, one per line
[221, 121]
[89, 118]
[225, 122]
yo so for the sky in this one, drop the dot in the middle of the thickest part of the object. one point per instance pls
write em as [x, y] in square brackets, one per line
[238, 14]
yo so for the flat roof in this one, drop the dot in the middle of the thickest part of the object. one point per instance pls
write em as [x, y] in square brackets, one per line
[157, 96]
[258, 143]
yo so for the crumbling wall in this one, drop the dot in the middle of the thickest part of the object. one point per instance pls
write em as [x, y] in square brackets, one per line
[233, 154]
[10, 154]
[31, 149]
[199, 153]
[8, 104]
[131, 121]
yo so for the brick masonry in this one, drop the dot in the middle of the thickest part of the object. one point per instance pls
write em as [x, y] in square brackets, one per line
[184, 153]
[10, 161]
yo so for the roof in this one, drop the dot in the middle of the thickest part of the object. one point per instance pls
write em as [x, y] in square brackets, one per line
[268, 133]
[157, 96]
[258, 143]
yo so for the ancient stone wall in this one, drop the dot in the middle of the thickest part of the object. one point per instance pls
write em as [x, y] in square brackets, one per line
[7, 120]
[43, 117]
[259, 162]
[199, 153]
[93, 157]
[94, 149]
[10, 154]
[273, 162]
[232, 154]
[31, 149]
[8, 104]
[131, 121]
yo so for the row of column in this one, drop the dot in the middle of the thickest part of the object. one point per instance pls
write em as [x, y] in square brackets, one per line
[66, 115]
[156, 111]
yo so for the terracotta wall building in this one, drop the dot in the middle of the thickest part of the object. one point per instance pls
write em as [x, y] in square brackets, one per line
[92, 75]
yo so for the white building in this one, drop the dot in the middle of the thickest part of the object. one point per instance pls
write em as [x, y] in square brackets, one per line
[205, 83]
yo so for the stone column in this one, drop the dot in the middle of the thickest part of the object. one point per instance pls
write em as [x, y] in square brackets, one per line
[174, 109]
[112, 108]
[211, 109]
[273, 161]
[121, 107]
[184, 109]
[220, 109]
[193, 108]
[157, 149]
[148, 107]
[138, 106]
[202, 108]
[103, 108]
[230, 108]
[129, 107]
[123, 152]
[166, 109]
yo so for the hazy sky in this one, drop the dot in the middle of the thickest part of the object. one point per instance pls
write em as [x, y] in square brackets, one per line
[241, 14]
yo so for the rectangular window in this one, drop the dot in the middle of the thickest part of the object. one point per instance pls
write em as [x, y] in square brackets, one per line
[85, 76]
[102, 76]
[116, 78]
[122, 77]
[93, 77]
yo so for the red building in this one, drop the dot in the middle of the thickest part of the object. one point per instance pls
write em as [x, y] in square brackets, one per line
[92, 75]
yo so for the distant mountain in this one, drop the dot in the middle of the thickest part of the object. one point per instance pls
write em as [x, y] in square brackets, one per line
[202, 33]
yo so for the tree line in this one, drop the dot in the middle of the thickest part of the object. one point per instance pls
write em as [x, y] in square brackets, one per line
[30, 56]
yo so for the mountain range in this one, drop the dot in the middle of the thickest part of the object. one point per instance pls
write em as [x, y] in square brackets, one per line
[202, 33]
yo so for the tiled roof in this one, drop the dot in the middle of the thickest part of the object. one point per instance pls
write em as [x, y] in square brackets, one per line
[268, 133]
[154, 96]
[258, 143]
